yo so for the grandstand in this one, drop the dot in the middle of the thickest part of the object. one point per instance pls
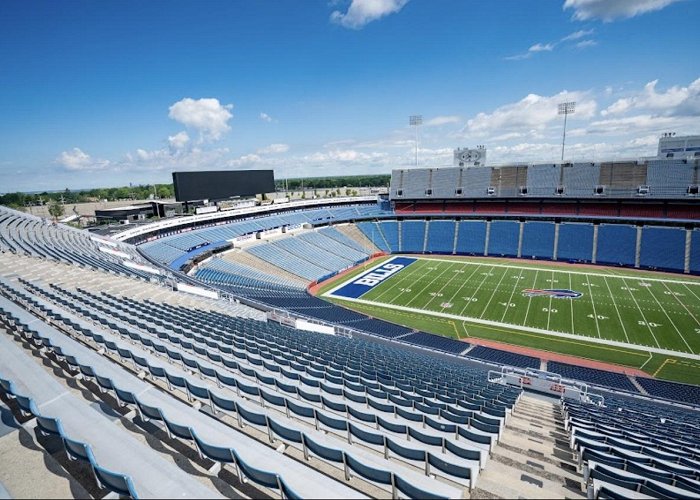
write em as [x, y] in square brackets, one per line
[187, 357]
[653, 178]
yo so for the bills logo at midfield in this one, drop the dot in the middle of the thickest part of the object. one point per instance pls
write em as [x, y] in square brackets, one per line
[556, 293]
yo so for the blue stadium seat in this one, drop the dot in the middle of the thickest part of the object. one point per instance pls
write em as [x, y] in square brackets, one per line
[503, 238]
[616, 244]
[575, 242]
[441, 235]
[471, 237]
[538, 240]
[663, 248]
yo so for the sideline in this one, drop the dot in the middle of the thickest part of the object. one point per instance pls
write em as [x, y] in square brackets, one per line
[509, 326]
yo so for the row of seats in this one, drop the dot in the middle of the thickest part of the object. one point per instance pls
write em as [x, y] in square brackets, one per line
[574, 208]
[223, 401]
[631, 449]
[21, 233]
[662, 179]
[440, 421]
[660, 247]
[174, 243]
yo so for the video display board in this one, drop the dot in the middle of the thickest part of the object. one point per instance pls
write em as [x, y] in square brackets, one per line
[222, 184]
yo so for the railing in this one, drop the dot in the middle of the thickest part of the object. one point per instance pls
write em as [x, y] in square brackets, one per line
[545, 382]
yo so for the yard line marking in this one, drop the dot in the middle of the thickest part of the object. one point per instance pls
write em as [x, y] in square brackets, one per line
[494, 293]
[529, 300]
[477, 290]
[682, 303]
[616, 276]
[510, 299]
[455, 274]
[416, 295]
[465, 283]
[692, 292]
[595, 314]
[641, 312]
[641, 350]
[549, 309]
[619, 316]
[571, 303]
[402, 278]
[669, 318]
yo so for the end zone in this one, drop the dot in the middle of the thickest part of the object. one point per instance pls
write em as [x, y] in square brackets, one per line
[363, 283]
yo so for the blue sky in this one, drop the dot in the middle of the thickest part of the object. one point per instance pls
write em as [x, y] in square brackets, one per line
[107, 93]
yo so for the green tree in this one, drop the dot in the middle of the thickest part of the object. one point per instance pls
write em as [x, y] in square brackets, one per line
[56, 209]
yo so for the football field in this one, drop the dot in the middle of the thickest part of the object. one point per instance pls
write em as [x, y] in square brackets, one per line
[620, 316]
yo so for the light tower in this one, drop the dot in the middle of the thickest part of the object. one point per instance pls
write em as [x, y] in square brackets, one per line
[416, 121]
[566, 109]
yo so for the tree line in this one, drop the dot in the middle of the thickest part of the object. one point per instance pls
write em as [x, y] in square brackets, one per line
[346, 181]
[164, 191]
[126, 193]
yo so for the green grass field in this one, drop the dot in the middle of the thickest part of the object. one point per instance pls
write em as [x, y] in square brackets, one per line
[486, 298]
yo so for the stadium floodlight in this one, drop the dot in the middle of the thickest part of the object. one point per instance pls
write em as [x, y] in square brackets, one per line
[566, 109]
[416, 121]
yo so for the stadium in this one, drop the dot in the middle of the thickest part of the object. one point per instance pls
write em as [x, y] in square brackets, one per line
[478, 332]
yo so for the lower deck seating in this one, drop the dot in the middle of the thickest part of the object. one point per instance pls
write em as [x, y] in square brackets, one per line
[592, 375]
[635, 449]
[503, 357]
[671, 390]
[503, 238]
[575, 242]
[616, 244]
[663, 248]
[437, 342]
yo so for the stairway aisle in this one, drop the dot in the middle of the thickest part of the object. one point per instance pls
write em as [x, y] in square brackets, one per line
[532, 459]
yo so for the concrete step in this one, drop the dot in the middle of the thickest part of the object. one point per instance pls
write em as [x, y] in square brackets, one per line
[518, 481]
[532, 458]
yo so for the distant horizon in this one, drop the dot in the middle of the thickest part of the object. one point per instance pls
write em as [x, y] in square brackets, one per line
[282, 179]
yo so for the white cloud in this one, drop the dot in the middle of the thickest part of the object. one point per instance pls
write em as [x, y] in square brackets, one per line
[266, 118]
[609, 10]
[178, 141]
[676, 100]
[541, 47]
[76, 159]
[538, 47]
[529, 115]
[583, 44]
[274, 149]
[537, 152]
[245, 161]
[534, 49]
[442, 120]
[638, 124]
[362, 12]
[577, 35]
[170, 159]
[208, 116]
[549, 47]
[526, 130]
